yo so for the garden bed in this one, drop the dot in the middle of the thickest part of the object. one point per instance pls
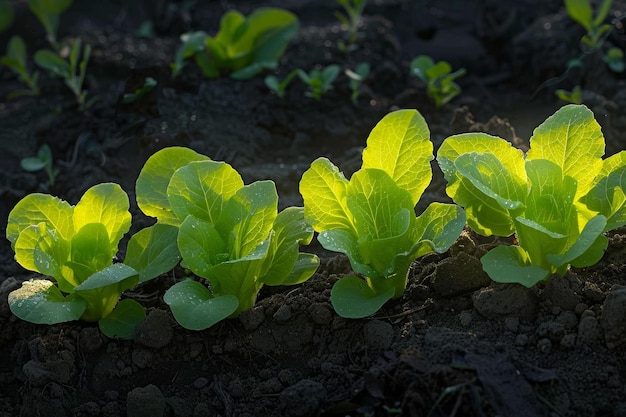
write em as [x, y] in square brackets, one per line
[454, 344]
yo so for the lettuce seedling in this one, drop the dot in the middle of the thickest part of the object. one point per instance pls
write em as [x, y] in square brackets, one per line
[574, 97]
[357, 77]
[229, 233]
[244, 46]
[43, 160]
[72, 71]
[614, 58]
[15, 60]
[438, 77]
[559, 198]
[371, 217]
[351, 18]
[48, 12]
[319, 81]
[277, 86]
[75, 245]
[581, 12]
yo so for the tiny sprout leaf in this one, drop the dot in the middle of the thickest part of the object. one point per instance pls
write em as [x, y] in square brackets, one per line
[352, 298]
[122, 321]
[195, 308]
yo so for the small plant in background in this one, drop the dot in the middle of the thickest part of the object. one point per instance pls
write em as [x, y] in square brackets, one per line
[48, 12]
[351, 18]
[581, 12]
[558, 199]
[277, 86]
[357, 77]
[44, 161]
[229, 234]
[438, 77]
[245, 46]
[72, 70]
[320, 81]
[614, 58]
[371, 218]
[574, 97]
[148, 85]
[7, 15]
[75, 245]
[15, 60]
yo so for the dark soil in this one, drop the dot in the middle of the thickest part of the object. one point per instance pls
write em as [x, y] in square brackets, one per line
[455, 344]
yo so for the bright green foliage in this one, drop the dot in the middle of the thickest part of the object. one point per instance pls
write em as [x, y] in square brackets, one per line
[357, 77]
[75, 245]
[15, 60]
[319, 81]
[580, 11]
[44, 161]
[72, 70]
[48, 12]
[574, 97]
[229, 233]
[371, 217]
[244, 46]
[438, 77]
[351, 18]
[559, 198]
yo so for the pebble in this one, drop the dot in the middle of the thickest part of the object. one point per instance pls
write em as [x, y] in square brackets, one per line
[145, 402]
[155, 331]
[501, 300]
[589, 331]
[613, 313]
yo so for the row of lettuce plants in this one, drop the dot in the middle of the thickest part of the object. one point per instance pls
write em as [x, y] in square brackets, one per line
[558, 199]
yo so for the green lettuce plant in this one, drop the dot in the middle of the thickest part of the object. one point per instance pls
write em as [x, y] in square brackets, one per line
[438, 77]
[245, 46]
[558, 199]
[371, 217]
[581, 12]
[15, 60]
[229, 234]
[279, 87]
[76, 245]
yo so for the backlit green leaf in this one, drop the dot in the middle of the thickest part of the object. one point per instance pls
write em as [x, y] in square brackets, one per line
[572, 139]
[323, 188]
[400, 145]
[39, 301]
[510, 264]
[155, 176]
[107, 204]
[153, 251]
[352, 298]
[122, 321]
[195, 308]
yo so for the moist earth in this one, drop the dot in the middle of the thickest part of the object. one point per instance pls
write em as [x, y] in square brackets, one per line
[456, 344]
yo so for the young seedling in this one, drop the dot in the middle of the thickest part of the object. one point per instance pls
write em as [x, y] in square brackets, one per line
[15, 59]
[229, 234]
[357, 77]
[438, 77]
[574, 97]
[581, 12]
[243, 46]
[319, 81]
[148, 85]
[72, 70]
[7, 15]
[44, 161]
[48, 12]
[371, 217]
[75, 245]
[558, 199]
[351, 18]
[614, 58]
[279, 87]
